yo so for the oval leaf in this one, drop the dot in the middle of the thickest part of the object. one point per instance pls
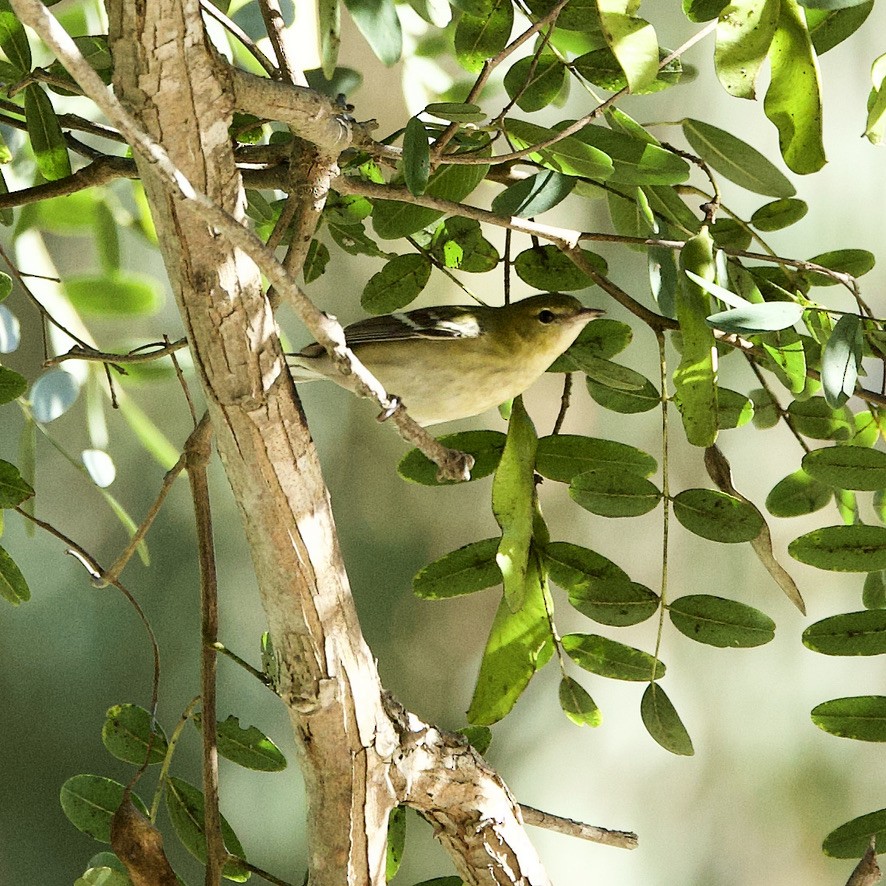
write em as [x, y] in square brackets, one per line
[852, 840]
[857, 548]
[128, 732]
[720, 622]
[840, 360]
[663, 723]
[717, 516]
[47, 139]
[562, 456]
[577, 704]
[853, 633]
[53, 394]
[847, 467]
[416, 157]
[466, 570]
[13, 587]
[485, 446]
[798, 494]
[116, 293]
[569, 155]
[763, 317]
[398, 283]
[861, 717]
[186, 807]
[779, 214]
[626, 402]
[533, 195]
[13, 488]
[248, 746]
[614, 492]
[547, 268]
[608, 658]
[90, 802]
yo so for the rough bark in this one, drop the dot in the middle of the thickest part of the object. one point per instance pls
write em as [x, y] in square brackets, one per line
[360, 753]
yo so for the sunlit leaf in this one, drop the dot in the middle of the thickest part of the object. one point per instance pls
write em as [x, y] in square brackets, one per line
[663, 723]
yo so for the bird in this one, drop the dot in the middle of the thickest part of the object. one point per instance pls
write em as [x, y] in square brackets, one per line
[454, 361]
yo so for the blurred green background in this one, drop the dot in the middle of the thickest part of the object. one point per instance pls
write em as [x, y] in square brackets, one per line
[764, 787]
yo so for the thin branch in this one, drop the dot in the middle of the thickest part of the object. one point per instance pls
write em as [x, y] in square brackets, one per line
[572, 828]
[259, 675]
[564, 403]
[276, 28]
[231, 26]
[135, 356]
[327, 331]
[197, 452]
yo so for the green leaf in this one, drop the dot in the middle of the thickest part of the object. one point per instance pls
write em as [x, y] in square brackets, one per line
[703, 10]
[456, 112]
[779, 214]
[397, 284]
[875, 126]
[378, 22]
[513, 495]
[851, 840]
[416, 157]
[874, 594]
[480, 37]
[547, 268]
[597, 587]
[396, 841]
[393, 219]
[12, 385]
[535, 82]
[840, 360]
[329, 28]
[857, 548]
[13, 489]
[601, 67]
[814, 418]
[695, 379]
[798, 494]
[128, 731]
[118, 293]
[625, 401]
[765, 317]
[635, 161]
[765, 409]
[570, 155]
[720, 622]
[14, 42]
[614, 492]
[793, 100]
[632, 41]
[856, 262]
[519, 644]
[90, 801]
[247, 746]
[608, 658]
[717, 516]
[480, 737]
[534, 195]
[13, 587]
[95, 51]
[485, 446]
[847, 467]
[315, 261]
[599, 340]
[828, 28]
[733, 409]
[663, 723]
[852, 633]
[577, 704]
[459, 243]
[736, 160]
[861, 717]
[562, 456]
[464, 571]
[47, 139]
[185, 805]
[744, 34]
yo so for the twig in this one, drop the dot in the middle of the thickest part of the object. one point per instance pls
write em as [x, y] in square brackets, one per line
[197, 452]
[276, 28]
[259, 675]
[571, 828]
[229, 25]
[88, 354]
[564, 403]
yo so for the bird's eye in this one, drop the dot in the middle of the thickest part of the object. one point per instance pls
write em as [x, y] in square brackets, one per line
[546, 316]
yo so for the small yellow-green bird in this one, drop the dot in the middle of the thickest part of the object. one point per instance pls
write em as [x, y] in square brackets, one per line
[454, 361]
